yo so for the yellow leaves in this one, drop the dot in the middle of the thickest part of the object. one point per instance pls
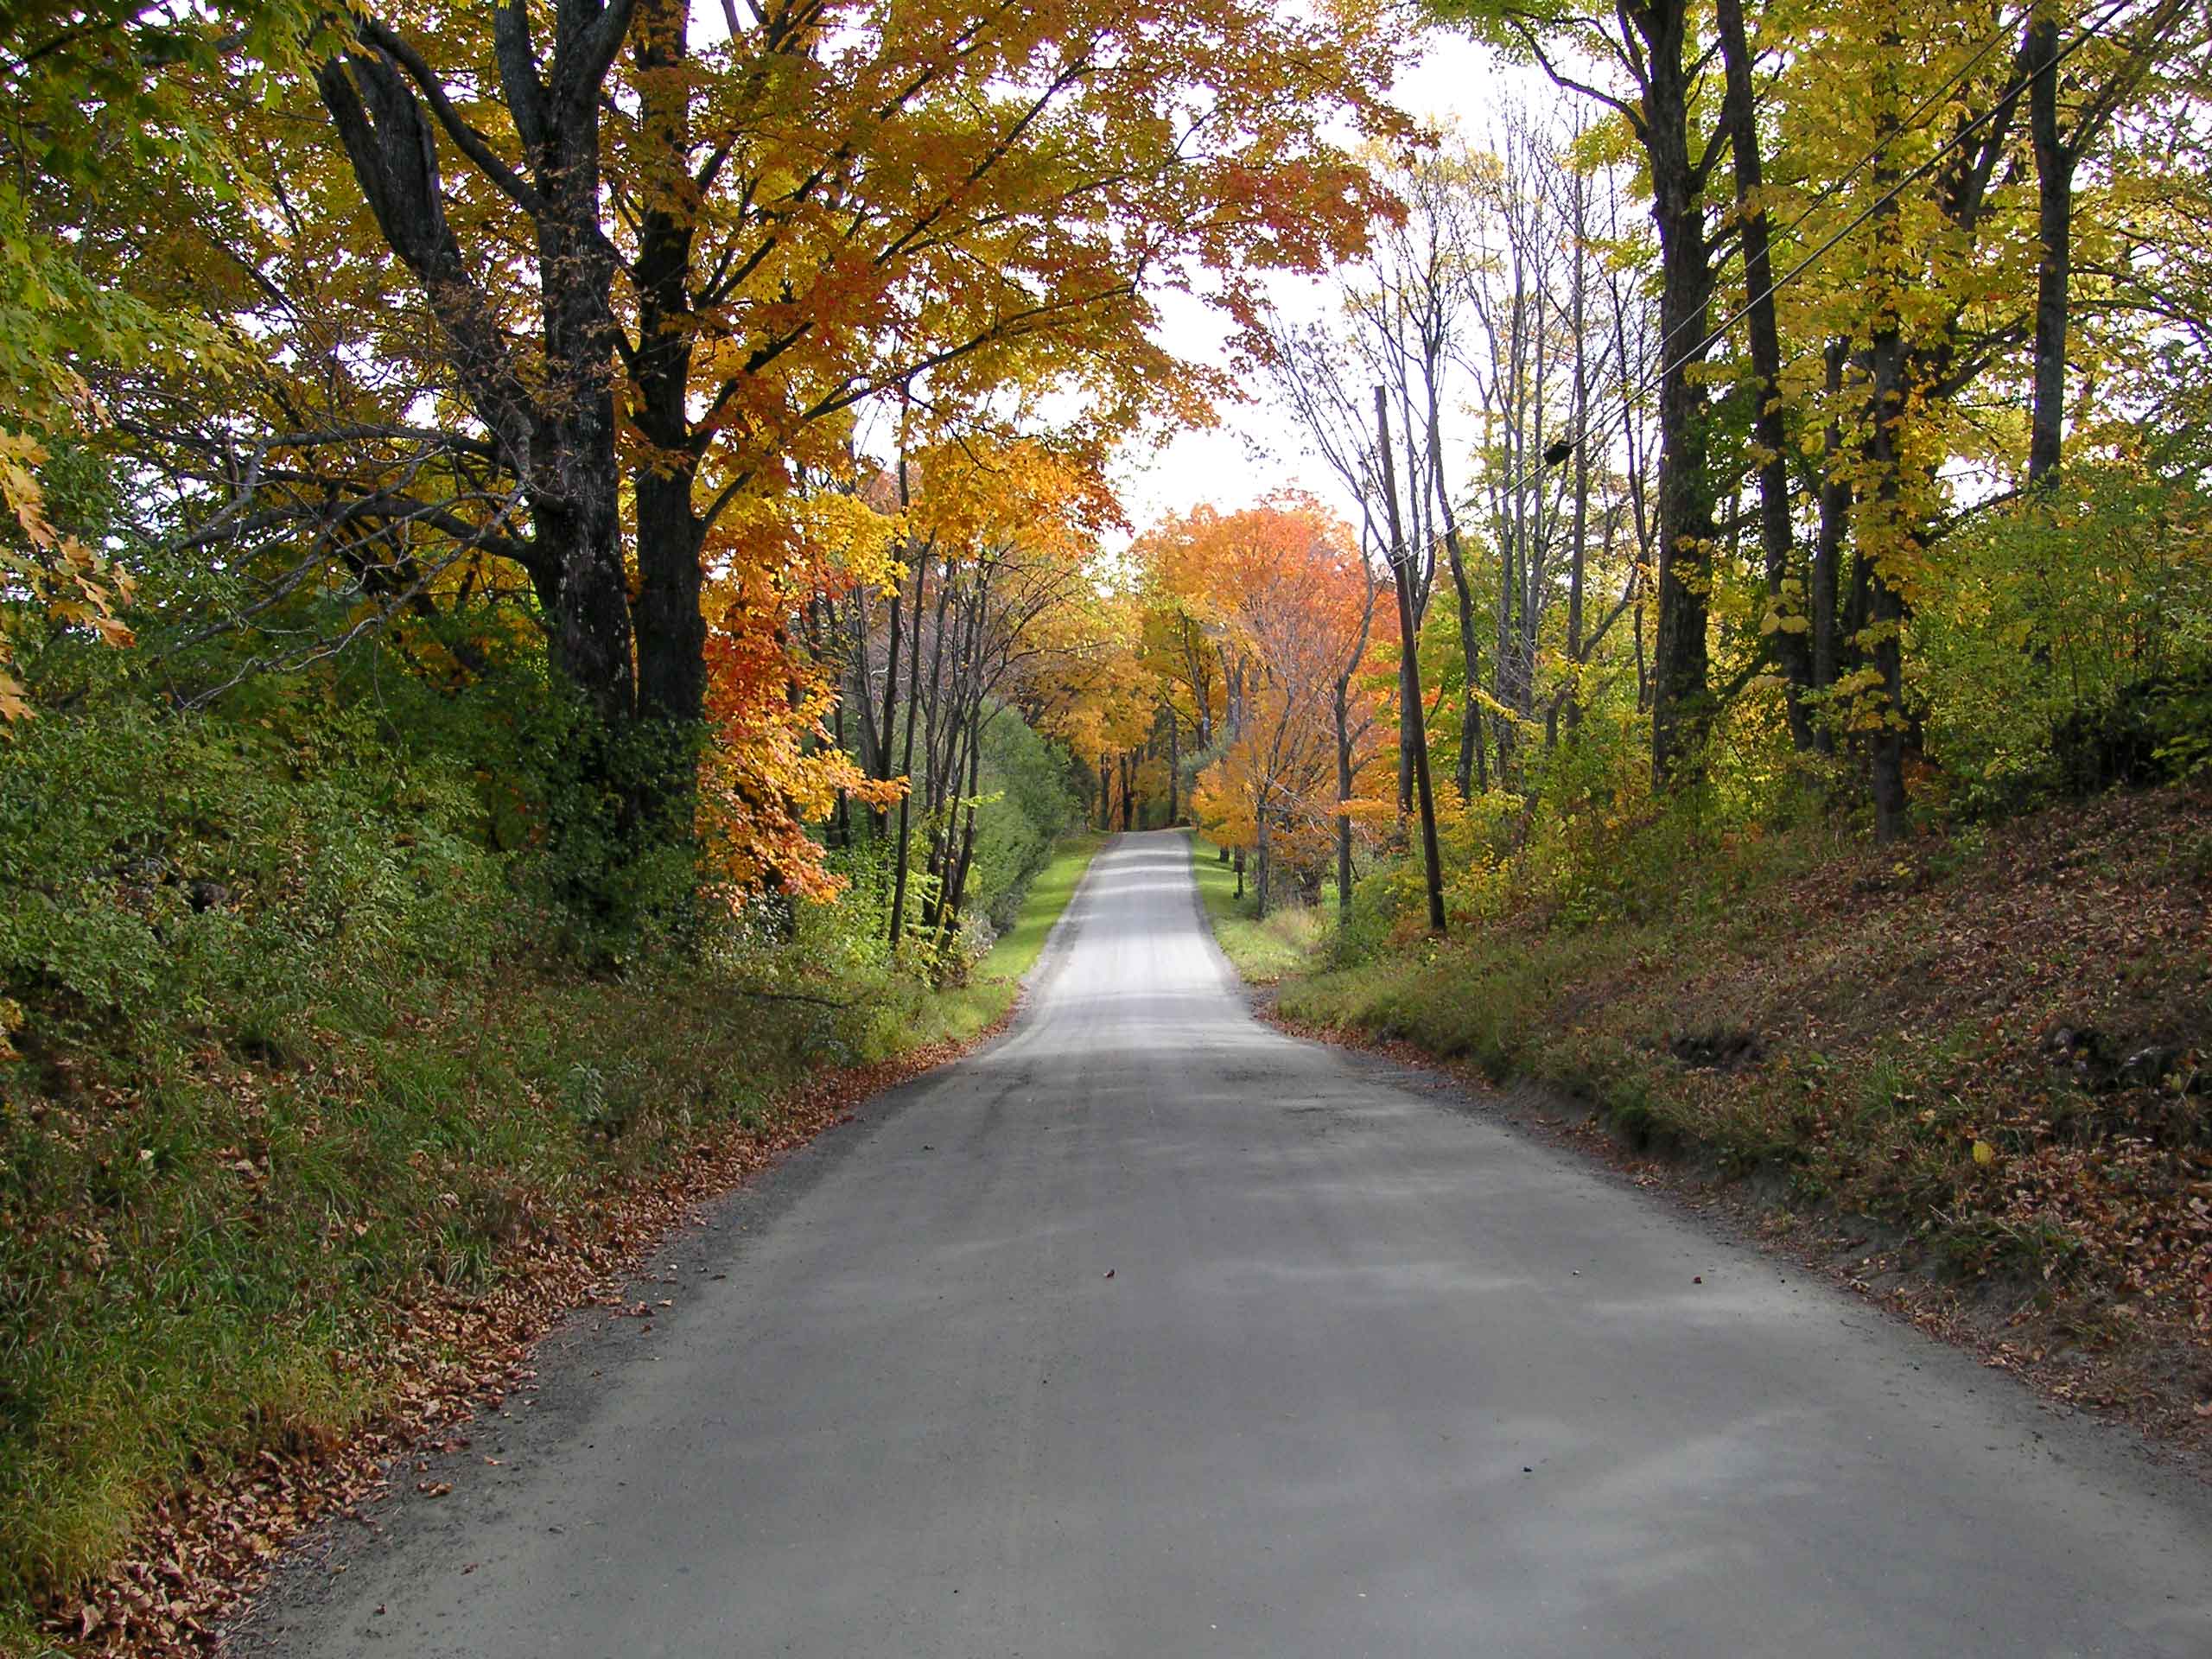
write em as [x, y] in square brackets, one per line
[71, 583]
[1369, 811]
[861, 541]
[1778, 620]
[1984, 1153]
[19, 457]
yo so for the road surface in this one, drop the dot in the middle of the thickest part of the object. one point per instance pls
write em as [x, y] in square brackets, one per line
[1148, 1332]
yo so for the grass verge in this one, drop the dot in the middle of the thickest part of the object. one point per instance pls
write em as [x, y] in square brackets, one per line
[1289, 940]
[1017, 950]
[1992, 1046]
[235, 1256]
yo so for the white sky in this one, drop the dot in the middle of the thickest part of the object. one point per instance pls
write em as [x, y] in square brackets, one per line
[1257, 449]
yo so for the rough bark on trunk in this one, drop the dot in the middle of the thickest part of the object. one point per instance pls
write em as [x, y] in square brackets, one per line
[1792, 649]
[1682, 709]
[559, 433]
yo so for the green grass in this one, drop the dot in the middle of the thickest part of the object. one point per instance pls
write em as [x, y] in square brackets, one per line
[207, 1237]
[1018, 947]
[963, 1010]
[1290, 940]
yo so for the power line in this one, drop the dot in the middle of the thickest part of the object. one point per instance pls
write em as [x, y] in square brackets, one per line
[1835, 187]
[1630, 399]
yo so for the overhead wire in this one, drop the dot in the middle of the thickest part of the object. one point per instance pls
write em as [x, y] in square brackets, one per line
[1554, 455]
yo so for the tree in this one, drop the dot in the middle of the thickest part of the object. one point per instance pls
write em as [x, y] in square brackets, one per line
[1292, 601]
[1653, 47]
[102, 118]
[665, 273]
[1401, 560]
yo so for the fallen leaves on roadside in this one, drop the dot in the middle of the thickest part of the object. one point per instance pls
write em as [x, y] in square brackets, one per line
[449, 1357]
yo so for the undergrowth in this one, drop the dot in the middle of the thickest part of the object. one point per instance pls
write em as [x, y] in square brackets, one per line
[1993, 1041]
[1264, 950]
[291, 1043]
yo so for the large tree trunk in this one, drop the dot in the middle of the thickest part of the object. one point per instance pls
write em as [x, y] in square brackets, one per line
[1681, 710]
[549, 402]
[557, 434]
[1792, 649]
[671, 626]
[558, 125]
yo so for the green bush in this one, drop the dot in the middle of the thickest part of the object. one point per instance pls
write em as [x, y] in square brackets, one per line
[2075, 650]
[1027, 806]
[310, 1006]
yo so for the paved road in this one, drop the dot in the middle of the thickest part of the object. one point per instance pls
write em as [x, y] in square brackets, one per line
[1150, 1333]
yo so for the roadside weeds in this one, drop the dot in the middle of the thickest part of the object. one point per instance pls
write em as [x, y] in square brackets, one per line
[1963, 1078]
[205, 1550]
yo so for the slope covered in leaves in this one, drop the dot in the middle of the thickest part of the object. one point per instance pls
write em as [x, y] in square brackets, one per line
[1991, 1043]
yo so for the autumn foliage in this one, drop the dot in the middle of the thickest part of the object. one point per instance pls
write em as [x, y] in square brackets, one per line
[1262, 616]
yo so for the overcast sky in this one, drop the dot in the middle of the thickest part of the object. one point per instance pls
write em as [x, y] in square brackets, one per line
[1256, 449]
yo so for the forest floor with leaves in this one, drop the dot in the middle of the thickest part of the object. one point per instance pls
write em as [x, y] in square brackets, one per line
[1967, 1077]
[134, 1521]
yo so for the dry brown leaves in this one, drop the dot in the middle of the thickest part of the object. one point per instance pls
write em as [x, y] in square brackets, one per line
[2039, 963]
[208, 1549]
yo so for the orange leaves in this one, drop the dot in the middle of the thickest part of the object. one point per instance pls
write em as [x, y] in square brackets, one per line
[768, 768]
[72, 583]
[1278, 587]
[975, 494]
[1282, 601]
[972, 207]
[768, 772]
